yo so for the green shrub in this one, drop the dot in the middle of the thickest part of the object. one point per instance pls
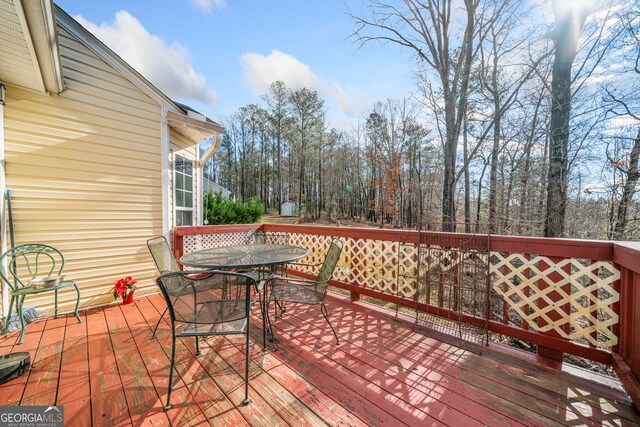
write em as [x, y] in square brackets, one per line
[218, 210]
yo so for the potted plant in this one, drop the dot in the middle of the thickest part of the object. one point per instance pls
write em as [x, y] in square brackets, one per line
[124, 289]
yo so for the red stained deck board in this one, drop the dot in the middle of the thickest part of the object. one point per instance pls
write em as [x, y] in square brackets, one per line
[321, 403]
[491, 373]
[416, 381]
[11, 392]
[418, 408]
[138, 387]
[550, 386]
[42, 386]
[108, 402]
[74, 392]
[286, 404]
[429, 374]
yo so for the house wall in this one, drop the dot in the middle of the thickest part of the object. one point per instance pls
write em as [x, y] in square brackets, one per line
[84, 168]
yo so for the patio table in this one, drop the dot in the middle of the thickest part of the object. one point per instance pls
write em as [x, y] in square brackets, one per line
[243, 256]
[238, 257]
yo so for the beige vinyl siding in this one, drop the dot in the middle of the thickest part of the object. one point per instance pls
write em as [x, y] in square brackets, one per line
[183, 146]
[84, 168]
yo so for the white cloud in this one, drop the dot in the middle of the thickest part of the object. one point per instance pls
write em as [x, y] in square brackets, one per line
[209, 5]
[261, 71]
[167, 66]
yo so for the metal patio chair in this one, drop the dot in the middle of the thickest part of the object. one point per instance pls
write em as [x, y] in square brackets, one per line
[254, 237]
[32, 269]
[310, 292]
[208, 303]
[166, 263]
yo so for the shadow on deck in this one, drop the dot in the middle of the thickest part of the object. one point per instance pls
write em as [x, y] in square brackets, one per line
[108, 371]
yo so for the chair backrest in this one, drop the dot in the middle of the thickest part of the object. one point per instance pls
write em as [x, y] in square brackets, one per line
[206, 296]
[256, 237]
[328, 267]
[161, 254]
[26, 262]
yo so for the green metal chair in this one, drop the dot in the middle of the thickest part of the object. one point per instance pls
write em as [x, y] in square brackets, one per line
[26, 263]
[310, 292]
[208, 303]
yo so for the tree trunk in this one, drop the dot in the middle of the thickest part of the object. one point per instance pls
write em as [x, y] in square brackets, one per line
[569, 23]
[628, 190]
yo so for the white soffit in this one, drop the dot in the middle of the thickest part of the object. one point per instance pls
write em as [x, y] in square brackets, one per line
[193, 128]
[18, 60]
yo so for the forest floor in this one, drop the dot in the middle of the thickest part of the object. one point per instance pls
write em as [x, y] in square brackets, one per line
[512, 342]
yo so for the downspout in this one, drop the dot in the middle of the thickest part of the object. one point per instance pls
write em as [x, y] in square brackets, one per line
[3, 187]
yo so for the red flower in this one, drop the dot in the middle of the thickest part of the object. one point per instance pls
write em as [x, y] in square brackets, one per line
[123, 287]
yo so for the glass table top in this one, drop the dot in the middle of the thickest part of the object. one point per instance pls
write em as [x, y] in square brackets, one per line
[243, 256]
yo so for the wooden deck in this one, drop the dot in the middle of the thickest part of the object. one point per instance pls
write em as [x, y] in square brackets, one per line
[108, 371]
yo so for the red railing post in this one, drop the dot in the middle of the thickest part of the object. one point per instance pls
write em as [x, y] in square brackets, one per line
[627, 362]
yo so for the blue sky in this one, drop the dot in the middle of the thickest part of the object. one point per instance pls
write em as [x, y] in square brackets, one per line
[217, 55]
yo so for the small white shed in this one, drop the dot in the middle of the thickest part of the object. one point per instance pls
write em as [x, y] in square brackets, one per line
[288, 209]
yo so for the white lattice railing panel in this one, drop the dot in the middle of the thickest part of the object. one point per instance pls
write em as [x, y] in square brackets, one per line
[195, 242]
[369, 263]
[572, 297]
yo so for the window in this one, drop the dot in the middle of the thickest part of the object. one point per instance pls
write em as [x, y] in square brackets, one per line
[183, 191]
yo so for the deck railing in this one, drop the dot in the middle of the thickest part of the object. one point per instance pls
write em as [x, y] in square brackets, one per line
[564, 295]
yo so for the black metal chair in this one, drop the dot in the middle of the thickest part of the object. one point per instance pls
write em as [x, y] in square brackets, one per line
[299, 291]
[208, 303]
[34, 268]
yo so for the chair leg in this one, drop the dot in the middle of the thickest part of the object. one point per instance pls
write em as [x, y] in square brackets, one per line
[197, 346]
[264, 320]
[246, 400]
[21, 315]
[173, 359]
[77, 304]
[282, 308]
[6, 322]
[153, 335]
[267, 323]
[55, 307]
[323, 310]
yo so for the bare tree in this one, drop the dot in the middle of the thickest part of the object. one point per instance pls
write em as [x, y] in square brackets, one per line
[569, 22]
[427, 29]
[307, 108]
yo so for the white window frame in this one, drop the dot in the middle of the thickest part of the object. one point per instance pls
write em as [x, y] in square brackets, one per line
[194, 176]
